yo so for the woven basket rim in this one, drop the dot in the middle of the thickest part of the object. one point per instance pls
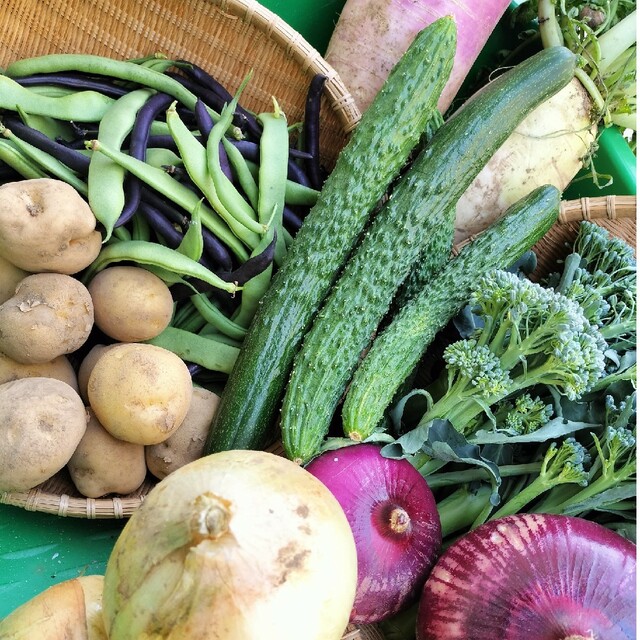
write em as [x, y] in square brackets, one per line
[43, 499]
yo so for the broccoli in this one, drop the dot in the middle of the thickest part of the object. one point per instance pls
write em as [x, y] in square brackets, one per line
[600, 274]
[614, 466]
[530, 335]
[564, 464]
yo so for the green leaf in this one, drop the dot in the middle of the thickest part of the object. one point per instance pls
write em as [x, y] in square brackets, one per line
[441, 441]
[555, 428]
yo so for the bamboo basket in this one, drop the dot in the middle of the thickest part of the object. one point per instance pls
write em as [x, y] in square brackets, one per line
[227, 37]
[58, 495]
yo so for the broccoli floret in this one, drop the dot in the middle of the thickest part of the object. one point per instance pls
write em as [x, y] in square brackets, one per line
[601, 276]
[614, 460]
[564, 464]
[530, 335]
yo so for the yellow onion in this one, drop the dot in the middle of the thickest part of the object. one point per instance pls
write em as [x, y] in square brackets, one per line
[235, 545]
[69, 610]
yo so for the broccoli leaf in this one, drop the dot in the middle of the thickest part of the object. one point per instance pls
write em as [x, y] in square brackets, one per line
[438, 439]
[555, 428]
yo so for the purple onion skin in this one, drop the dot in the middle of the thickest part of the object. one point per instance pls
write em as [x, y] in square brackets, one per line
[395, 524]
[533, 576]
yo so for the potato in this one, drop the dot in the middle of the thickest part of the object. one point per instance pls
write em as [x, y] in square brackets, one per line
[86, 367]
[68, 610]
[131, 304]
[51, 314]
[59, 368]
[186, 443]
[102, 464]
[45, 225]
[140, 392]
[41, 423]
[10, 276]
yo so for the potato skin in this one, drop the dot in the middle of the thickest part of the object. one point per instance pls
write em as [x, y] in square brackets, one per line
[46, 226]
[51, 314]
[186, 443]
[102, 464]
[140, 392]
[60, 368]
[131, 304]
[41, 423]
[10, 276]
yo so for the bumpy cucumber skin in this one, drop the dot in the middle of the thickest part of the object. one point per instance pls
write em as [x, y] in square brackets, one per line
[400, 346]
[418, 219]
[378, 148]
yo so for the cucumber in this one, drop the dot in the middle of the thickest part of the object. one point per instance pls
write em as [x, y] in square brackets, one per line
[376, 152]
[417, 220]
[399, 347]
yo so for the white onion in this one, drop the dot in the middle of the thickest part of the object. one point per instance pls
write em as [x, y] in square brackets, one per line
[236, 545]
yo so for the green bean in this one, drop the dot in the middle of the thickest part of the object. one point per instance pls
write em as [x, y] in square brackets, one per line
[120, 234]
[243, 172]
[216, 318]
[272, 174]
[52, 90]
[20, 163]
[210, 331]
[46, 161]
[189, 320]
[176, 192]
[49, 126]
[255, 288]
[192, 244]
[155, 255]
[229, 196]
[191, 347]
[140, 229]
[106, 177]
[194, 156]
[79, 106]
[101, 65]
[295, 193]
[160, 157]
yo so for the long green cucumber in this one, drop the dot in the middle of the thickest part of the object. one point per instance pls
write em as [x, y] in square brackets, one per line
[399, 347]
[416, 221]
[376, 152]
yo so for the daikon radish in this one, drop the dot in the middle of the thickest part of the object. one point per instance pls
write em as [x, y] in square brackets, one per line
[371, 36]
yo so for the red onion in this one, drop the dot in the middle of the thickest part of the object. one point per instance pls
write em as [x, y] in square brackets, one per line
[533, 576]
[394, 521]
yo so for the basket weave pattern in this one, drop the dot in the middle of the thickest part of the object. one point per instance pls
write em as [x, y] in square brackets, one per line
[229, 38]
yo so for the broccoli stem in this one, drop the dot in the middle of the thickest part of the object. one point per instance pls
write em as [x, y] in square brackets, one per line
[460, 509]
[450, 478]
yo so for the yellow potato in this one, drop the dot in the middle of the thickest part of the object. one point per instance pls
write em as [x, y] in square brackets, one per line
[68, 610]
[140, 392]
[41, 423]
[102, 464]
[46, 225]
[51, 314]
[131, 304]
[86, 367]
[186, 443]
[59, 368]
[10, 276]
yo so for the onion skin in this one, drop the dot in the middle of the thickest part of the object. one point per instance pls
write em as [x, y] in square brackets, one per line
[533, 576]
[69, 610]
[395, 524]
[233, 546]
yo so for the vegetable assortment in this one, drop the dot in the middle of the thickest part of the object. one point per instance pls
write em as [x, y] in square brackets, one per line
[459, 427]
[180, 177]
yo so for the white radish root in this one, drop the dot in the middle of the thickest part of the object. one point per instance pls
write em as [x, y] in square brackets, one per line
[371, 36]
[548, 147]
